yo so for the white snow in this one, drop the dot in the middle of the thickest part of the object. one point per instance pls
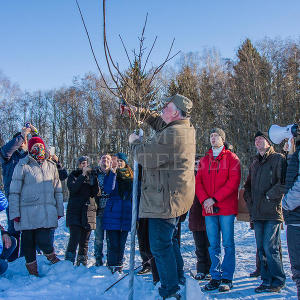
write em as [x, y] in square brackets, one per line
[64, 281]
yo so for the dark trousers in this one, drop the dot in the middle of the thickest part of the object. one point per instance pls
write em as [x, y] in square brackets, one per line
[267, 235]
[293, 242]
[78, 237]
[144, 247]
[41, 237]
[202, 253]
[116, 240]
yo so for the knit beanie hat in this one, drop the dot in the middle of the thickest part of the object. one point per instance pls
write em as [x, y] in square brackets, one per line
[122, 156]
[220, 132]
[35, 140]
[264, 135]
[82, 159]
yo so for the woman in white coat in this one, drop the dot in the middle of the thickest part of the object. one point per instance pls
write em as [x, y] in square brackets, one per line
[36, 203]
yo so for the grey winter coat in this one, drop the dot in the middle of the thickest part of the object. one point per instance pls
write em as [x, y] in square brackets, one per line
[35, 195]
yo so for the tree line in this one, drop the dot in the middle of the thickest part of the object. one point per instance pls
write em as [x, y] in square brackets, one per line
[257, 88]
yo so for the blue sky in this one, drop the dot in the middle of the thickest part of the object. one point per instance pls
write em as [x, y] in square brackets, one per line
[43, 44]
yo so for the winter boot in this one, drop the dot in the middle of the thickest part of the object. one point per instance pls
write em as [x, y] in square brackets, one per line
[146, 269]
[32, 268]
[52, 258]
[81, 259]
[212, 285]
[256, 273]
[226, 285]
[70, 256]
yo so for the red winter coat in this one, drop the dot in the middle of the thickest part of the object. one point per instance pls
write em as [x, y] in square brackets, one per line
[219, 178]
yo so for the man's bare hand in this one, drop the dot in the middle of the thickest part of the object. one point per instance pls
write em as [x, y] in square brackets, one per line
[209, 205]
[25, 131]
[133, 137]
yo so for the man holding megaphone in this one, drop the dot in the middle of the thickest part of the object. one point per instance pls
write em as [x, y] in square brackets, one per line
[291, 206]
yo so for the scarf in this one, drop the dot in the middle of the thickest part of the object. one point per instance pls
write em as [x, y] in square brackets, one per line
[38, 153]
[125, 179]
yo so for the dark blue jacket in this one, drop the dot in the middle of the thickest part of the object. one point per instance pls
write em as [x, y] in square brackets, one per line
[117, 212]
[9, 158]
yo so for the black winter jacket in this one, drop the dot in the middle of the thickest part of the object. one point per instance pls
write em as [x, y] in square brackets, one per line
[264, 187]
[82, 208]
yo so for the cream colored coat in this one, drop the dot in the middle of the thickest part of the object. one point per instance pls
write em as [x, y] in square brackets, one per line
[35, 195]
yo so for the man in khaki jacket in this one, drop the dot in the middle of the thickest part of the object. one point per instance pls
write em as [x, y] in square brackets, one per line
[168, 185]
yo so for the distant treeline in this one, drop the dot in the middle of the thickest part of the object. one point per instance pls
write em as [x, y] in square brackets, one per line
[259, 88]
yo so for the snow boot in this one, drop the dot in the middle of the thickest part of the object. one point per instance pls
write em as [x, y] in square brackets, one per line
[70, 256]
[212, 285]
[81, 259]
[226, 285]
[199, 276]
[52, 258]
[32, 268]
[146, 269]
[261, 289]
[256, 273]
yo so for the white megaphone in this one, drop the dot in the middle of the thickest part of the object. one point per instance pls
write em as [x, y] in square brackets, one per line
[277, 133]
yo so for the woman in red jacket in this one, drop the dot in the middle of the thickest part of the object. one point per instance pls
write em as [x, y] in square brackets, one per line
[217, 183]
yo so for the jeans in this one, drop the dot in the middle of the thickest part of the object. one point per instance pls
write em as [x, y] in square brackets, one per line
[99, 238]
[116, 240]
[215, 225]
[267, 235]
[293, 241]
[6, 253]
[165, 249]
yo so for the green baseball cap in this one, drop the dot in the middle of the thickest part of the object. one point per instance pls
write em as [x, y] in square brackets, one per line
[181, 102]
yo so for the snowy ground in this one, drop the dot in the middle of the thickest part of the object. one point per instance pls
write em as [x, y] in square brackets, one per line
[64, 281]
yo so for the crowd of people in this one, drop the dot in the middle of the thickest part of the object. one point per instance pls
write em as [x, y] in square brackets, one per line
[172, 181]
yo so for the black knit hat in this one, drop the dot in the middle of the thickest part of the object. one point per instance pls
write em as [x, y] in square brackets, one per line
[265, 135]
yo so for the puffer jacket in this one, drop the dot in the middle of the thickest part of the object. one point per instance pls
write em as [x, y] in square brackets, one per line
[82, 208]
[219, 178]
[117, 212]
[264, 187]
[35, 195]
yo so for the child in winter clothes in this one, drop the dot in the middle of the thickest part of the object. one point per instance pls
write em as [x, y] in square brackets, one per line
[7, 244]
[117, 213]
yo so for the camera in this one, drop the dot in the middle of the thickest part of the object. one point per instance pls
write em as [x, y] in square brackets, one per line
[93, 175]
